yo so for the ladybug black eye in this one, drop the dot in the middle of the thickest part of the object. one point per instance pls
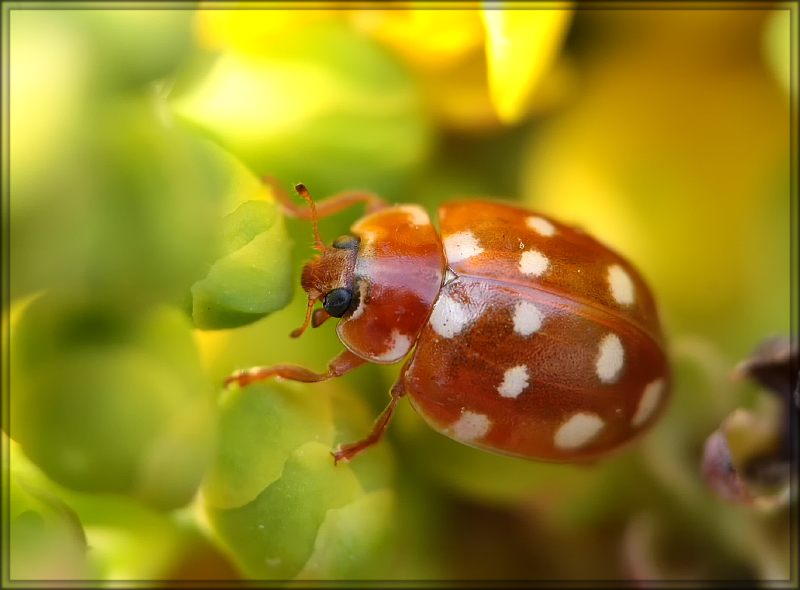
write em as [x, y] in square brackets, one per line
[346, 242]
[337, 302]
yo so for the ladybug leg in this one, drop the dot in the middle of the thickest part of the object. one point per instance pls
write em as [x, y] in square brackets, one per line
[344, 363]
[347, 452]
[330, 206]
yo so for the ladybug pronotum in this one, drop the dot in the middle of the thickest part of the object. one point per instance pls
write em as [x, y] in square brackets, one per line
[524, 336]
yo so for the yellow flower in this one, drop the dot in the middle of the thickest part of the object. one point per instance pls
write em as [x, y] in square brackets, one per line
[427, 38]
[478, 64]
[253, 26]
[520, 47]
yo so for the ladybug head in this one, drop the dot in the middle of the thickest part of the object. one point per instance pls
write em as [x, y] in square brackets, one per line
[328, 276]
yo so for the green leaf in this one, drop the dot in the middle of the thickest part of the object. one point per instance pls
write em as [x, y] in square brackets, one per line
[261, 426]
[109, 401]
[255, 278]
[274, 536]
[354, 542]
[133, 47]
[130, 207]
[47, 540]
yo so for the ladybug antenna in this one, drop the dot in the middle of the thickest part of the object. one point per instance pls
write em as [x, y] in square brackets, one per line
[312, 299]
[318, 243]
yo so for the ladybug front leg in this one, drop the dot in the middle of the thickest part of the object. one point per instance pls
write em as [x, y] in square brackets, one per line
[344, 363]
[347, 452]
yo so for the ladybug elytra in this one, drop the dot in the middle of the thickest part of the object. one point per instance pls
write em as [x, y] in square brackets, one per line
[527, 337]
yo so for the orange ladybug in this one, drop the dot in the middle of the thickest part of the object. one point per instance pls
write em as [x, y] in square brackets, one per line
[524, 336]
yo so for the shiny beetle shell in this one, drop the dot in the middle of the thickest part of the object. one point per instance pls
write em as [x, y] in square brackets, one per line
[540, 342]
[574, 363]
[523, 336]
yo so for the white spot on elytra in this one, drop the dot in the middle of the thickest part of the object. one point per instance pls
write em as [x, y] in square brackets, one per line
[362, 298]
[449, 317]
[417, 214]
[611, 358]
[541, 226]
[533, 263]
[621, 285]
[398, 346]
[460, 246]
[527, 318]
[471, 426]
[515, 380]
[648, 402]
[580, 429]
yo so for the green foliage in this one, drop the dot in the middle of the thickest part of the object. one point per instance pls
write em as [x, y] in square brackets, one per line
[250, 281]
[334, 110]
[130, 48]
[129, 208]
[277, 501]
[354, 542]
[110, 401]
[260, 427]
[274, 534]
[47, 539]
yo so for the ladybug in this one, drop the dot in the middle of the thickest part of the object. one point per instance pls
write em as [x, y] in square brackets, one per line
[524, 336]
